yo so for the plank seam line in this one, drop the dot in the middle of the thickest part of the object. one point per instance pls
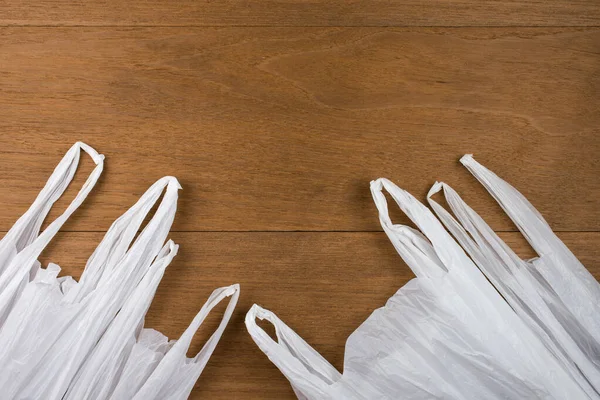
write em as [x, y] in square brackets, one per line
[292, 26]
[294, 231]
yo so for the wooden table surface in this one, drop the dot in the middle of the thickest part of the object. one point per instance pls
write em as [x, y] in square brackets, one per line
[275, 115]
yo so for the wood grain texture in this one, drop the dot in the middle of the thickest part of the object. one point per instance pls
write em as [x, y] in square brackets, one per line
[302, 12]
[322, 284]
[283, 128]
[275, 115]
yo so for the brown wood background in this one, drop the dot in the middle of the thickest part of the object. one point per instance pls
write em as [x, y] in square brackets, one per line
[275, 115]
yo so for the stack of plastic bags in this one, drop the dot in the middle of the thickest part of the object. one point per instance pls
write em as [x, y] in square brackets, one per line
[63, 339]
[477, 322]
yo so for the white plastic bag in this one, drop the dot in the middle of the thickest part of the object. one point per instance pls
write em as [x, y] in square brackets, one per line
[63, 339]
[446, 334]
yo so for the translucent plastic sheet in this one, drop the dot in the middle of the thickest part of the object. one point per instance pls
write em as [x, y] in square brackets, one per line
[67, 339]
[477, 322]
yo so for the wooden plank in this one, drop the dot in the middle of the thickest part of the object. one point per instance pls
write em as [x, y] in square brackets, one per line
[282, 129]
[323, 285]
[302, 13]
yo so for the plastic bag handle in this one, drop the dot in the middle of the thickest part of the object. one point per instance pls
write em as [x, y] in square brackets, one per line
[214, 299]
[26, 228]
[16, 272]
[493, 257]
[118, 238]
[455, 228]
[172, 359]
[531, 224]
[129, 269]
[527, 219]
[430, 255]
[305, 368]
[471, 230]
[36, 247]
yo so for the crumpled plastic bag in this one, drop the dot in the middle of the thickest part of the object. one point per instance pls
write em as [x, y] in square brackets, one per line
[449, 333]
[67, 339]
